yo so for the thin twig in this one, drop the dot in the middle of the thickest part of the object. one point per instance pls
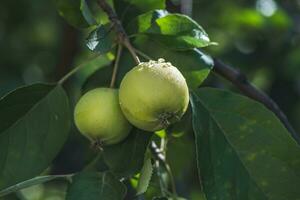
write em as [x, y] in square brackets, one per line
[163, 149]
[143, 54]
[160, 157]
[116, 65]
[241, 82]
[160, 177]
[123, 38]
[131, 50]
[172, 180]
[75, 69]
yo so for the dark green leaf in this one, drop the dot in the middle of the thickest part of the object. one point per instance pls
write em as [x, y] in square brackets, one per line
[145, 175]
[145, 21]
[129, 9]
[181, 155]
[101, 39]
[176, 31]
[95, 186]
[101, 78]
[32, 182]
[243, 150]
[193, 64]
[91, 66]
[35, 121]
[70, 10]
[126, 158]
[96, 165]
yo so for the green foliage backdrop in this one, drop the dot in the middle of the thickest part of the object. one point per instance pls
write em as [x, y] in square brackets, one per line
[226, 147]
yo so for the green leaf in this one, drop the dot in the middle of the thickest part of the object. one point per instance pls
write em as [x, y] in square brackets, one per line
[32, 182]
[129, 9]
[102, 39]
[178, 32]
[91, 66]
[95, 186]
[101, 78]
[126, 158]
[75, 12]
[35, 121]
[86, 12]
[243, 150]
[181, 155]
[96, 165]
[145, 176]
[145, 21]
[193, 64]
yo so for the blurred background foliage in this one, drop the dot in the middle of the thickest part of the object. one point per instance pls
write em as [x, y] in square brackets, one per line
[261, 38]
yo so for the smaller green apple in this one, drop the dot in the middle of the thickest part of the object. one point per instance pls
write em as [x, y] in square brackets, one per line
[98, 116]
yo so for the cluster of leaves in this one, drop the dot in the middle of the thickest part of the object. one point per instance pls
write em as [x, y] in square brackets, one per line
[242, 149]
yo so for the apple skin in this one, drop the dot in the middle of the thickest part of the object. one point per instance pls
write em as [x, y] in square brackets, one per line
[153, 95]
[98, 116]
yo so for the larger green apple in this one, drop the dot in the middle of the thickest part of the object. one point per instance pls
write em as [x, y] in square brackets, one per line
[98, 116]
[153, 95]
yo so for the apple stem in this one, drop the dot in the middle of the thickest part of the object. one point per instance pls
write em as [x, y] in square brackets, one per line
[128, 45]
[143, 54]
[116, 66]
[123, 38]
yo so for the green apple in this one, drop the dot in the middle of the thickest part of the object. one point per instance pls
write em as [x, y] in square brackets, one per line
[98, 116]
[153, 95]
